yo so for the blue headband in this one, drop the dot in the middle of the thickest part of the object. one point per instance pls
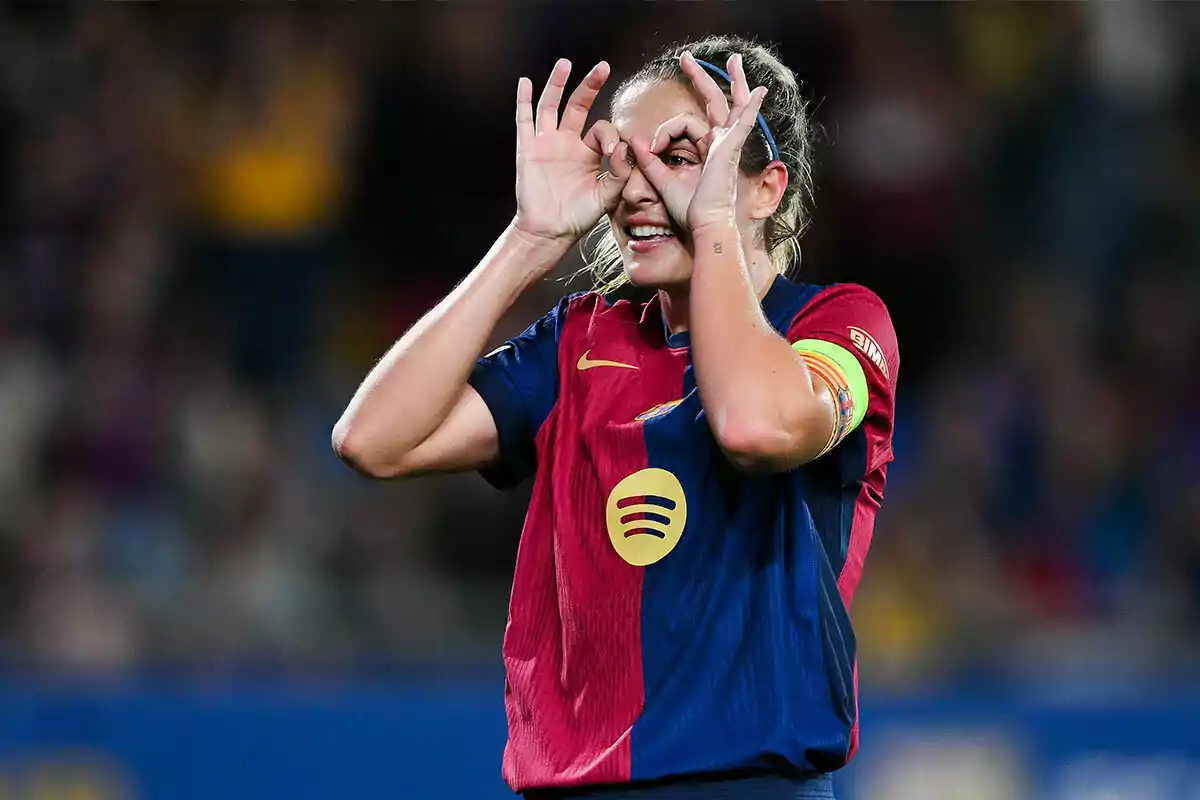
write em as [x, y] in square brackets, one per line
[762, 122]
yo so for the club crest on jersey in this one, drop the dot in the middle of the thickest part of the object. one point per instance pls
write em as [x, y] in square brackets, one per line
[646, 514]
[657, 411]
[866, 342]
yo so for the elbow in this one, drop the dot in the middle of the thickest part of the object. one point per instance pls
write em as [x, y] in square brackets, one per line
[359, 455]
[758, 443]
[755, 446]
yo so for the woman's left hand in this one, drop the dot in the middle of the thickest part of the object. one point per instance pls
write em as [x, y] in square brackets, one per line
[704, 193]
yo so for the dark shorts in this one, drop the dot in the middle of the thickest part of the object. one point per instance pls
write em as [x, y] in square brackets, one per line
[758, 787]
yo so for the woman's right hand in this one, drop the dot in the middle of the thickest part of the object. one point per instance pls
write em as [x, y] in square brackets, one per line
[562, 188]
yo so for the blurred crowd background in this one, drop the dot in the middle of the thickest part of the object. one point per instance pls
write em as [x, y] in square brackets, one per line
[214, 219]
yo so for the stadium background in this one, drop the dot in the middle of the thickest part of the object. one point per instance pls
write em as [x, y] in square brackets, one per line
[214, 218]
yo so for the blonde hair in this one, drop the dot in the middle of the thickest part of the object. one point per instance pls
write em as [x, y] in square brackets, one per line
[787, 117]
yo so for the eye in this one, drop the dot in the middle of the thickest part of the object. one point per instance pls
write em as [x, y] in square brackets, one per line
[677, 159]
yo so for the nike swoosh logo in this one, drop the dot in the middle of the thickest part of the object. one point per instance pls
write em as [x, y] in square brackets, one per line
[586, 363]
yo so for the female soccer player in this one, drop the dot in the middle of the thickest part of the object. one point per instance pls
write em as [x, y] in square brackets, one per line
[707, 464]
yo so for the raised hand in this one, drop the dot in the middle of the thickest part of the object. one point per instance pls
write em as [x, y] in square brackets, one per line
[562, 190]
[708, 195]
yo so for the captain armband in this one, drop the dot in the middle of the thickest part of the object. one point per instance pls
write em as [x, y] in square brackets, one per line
[841, 371]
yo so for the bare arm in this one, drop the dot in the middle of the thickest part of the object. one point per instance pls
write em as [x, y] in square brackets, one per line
[414, 412]
[766, 410]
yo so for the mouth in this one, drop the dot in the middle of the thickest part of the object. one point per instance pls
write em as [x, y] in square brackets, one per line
[644, 238]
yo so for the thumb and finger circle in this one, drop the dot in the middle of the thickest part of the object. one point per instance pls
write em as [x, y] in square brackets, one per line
[581, 100]
[604, 139]
[681, 126]
[620, 162]
[648, 161]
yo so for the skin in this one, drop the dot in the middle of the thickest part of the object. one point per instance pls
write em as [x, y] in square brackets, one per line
[669, 119]
[673, 152]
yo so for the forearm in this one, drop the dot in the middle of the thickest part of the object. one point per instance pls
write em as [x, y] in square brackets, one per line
[757, 392]
[413, 388]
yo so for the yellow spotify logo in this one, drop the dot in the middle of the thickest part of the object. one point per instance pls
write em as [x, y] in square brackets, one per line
[646, 514]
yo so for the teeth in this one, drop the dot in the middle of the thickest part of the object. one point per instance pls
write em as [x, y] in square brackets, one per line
[646, 231]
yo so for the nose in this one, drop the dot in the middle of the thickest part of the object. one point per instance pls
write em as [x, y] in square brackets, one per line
[637, 190]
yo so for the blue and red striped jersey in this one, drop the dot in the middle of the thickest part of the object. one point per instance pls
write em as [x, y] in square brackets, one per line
[671, 615]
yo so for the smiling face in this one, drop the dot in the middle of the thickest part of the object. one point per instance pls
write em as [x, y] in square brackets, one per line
[653, 249]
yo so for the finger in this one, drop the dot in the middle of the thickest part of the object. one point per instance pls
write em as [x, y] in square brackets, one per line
[730, 146]
[580, 102]
[747, 115]
[602, 138]
[715, 104]
[620, 163]
[612, 183]
[547, 109]
[739, 88]
[649, 163]
[524, 111]
[680, 126]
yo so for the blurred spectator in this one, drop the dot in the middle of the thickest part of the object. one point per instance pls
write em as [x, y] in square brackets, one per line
[213, 224]
[265, 145]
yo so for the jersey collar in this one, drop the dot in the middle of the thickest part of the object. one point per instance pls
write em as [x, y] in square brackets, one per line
[776, 306]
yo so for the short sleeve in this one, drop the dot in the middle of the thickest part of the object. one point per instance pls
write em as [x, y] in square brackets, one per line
[856, 320]
[519, 383]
